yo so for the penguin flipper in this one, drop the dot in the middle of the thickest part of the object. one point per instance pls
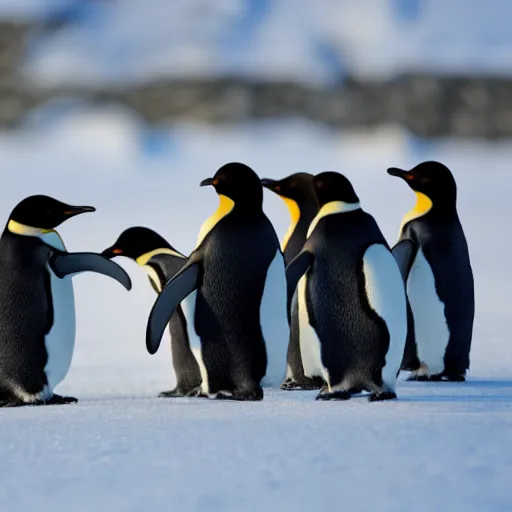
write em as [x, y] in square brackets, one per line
[296, 269]
[404, 252]
[173, 293]
[63, 264]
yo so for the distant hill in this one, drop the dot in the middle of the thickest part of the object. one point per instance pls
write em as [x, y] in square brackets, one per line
[429, 65]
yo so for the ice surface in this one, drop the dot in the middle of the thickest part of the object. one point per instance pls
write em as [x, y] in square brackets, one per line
[129, 41]
[439, 446]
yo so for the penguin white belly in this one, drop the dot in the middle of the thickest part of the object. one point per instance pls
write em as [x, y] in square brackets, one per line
[310, 347]
[274, 322]
[430, 328]
[60, 340]
[189, 310]
[385, 292]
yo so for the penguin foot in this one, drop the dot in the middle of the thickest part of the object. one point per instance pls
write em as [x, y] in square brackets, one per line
[333, 395]
[418, 378]
[384, 395]
[240, 395]
[306, 384]
[57, 400]
[178, 392]
[197, 393]
[12, 403]
[447, 377]
[54, 400]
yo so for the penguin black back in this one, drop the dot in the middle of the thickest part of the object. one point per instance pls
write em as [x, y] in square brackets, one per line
[350, 292]
[237, 269]
[37, 314]
[445, 297]
[298, 193]
[162, 261]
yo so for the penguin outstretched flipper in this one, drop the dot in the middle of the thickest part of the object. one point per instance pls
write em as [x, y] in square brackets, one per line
[174, 292]
[404, 253]
[64, 264]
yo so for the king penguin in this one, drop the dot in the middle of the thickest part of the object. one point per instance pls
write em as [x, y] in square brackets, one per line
[161, 262]
[298, 193]
[351, 297]
[240, 314]
[37, 311]
[439, 277]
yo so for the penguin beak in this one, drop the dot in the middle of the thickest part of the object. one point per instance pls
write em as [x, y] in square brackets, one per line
[270, 184]
[208, 182]
[71, 211]
[399, 173]
[112, 252]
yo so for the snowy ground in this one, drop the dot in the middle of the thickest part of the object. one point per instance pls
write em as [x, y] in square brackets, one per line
[440, 446]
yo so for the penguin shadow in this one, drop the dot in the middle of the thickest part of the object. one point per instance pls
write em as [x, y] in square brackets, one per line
[470, 391]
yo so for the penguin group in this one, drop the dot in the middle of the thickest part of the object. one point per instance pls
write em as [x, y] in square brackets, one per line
[331, 307]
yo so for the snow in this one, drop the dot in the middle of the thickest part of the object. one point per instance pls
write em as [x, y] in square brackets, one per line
[121, 448]
[129, 41]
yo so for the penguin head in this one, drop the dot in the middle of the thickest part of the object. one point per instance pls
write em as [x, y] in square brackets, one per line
[297, 187]
[136, 242]
[334, 187]
[432, 179]
[40, 214]
[239, 183]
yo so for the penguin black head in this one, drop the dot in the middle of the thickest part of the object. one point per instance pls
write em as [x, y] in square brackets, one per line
[432, 179]
[137, 243]
[298, 187]
[42, 214]
[239, 183]
[334, 187]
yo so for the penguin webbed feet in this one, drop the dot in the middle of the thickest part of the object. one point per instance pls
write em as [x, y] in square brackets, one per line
[180, 392]
[241, 395]
[335, 394]
[59, 400]
[438, 377]
[381, 396]
[305, 384]
[54, 400]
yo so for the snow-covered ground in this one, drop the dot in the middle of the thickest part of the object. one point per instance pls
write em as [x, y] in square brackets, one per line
[439, 446]
[126, 41]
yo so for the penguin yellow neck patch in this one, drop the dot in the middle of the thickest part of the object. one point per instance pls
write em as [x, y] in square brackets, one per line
[294, 210]
[144, 258]
[330, 209]
[22, 229]
[48, 236]
[422, 207]
[225, 207]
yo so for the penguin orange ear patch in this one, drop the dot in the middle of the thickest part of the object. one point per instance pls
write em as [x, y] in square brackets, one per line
[118, 251]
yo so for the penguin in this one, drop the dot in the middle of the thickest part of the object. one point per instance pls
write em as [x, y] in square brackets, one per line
[351, 297]
[240, 313]
[161, 262]
[298, 192]
[37, 311]
[439, 277]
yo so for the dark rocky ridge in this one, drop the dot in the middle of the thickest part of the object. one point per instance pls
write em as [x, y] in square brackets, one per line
[427, 105]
